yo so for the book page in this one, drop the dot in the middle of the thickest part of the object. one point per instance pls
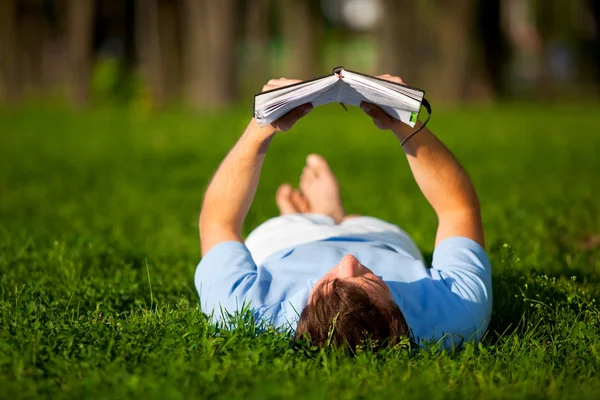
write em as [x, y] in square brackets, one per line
[281, 93]
[397, 101]
[378, 83]
[387, 88]
[355, 95]
[271, 105]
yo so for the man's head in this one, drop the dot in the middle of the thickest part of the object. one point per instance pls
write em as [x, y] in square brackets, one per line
[354, 304]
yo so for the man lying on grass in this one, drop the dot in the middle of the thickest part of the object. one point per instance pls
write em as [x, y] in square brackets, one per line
[317, 270]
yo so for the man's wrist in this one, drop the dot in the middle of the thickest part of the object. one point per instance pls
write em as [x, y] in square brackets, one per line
[260, 131]
[401, 130]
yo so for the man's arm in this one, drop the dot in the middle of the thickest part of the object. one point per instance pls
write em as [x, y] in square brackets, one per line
[440, 177]
[232, 189]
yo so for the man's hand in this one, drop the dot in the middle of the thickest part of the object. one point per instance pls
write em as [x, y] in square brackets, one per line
[285, 122]
[381, 119]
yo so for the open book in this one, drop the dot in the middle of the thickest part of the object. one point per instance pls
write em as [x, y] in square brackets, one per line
[347, 87]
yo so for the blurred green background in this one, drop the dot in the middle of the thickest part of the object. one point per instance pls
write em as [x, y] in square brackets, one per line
[115, 114]
[207, 54]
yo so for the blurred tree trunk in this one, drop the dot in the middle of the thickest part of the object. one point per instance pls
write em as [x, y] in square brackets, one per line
[148, 47]
[455, 38]
[595, 40]
[194, 50]
[170, 45]
[398, 39]
[31, 32]
[545, 25]
[209, 52]
[492, 46]
[159, 48]
[221, 57]
[54, 47]
[256, 44]
[301, 24]
[80, 39]
[9, 78]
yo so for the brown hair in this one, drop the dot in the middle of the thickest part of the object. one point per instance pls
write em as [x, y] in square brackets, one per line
[347, 316]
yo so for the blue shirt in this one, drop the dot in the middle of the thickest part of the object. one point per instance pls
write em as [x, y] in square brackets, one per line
[452, 300]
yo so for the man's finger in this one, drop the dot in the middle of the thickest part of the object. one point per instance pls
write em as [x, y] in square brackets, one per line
[372, 110]
[380, 117]
[391, 78]
[283, 82]
[288, 120]
[301, 111]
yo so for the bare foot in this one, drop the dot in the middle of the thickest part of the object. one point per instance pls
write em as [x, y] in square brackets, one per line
[290, 200]
[319, 186]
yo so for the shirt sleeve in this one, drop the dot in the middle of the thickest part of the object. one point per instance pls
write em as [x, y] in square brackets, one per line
[224, 277]
[465, 268]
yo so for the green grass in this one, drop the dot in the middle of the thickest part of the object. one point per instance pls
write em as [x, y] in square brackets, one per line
[98, 246]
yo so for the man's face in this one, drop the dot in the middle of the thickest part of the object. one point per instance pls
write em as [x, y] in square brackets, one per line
[351, 271]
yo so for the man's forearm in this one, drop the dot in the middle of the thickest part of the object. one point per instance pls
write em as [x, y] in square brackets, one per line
[443, 181]
[232, 189]
[439, 175]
